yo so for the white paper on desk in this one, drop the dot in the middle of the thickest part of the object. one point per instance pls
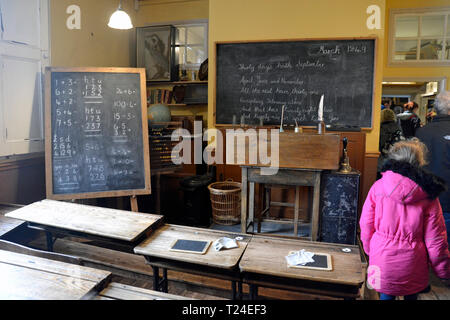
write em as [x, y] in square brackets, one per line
[224, 242]
[300, 257]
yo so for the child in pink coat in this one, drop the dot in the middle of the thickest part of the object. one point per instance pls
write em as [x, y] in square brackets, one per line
[402, 225]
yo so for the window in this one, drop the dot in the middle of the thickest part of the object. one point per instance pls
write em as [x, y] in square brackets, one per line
[420, 37]
[24, 54]
[191, 45]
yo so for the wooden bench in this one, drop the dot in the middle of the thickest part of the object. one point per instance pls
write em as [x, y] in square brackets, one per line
[118, 291]
[25, 277]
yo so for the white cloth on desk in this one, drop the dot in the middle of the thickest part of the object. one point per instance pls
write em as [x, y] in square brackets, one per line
[300, 257]
[224, 242]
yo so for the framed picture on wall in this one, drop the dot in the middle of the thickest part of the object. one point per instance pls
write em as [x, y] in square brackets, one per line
[154, 48]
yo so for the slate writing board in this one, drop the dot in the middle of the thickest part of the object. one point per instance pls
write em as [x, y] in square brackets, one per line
[322, 261]
[339, 207]
[191, 246]
[255, 79]
[96, 133]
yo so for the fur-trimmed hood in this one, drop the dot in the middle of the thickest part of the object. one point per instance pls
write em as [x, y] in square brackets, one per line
[405, 190]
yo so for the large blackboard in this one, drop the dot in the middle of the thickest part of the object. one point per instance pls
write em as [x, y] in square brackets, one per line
[96, 133]
[255, 79]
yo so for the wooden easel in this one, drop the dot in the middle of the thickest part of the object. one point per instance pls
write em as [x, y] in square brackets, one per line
[134, 203]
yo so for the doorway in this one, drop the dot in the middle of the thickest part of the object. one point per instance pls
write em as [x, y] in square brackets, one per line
[421, 90]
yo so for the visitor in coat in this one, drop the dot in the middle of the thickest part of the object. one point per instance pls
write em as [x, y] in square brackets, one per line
[409, 120]
[436, 136]
[402, 226]
[390, 132]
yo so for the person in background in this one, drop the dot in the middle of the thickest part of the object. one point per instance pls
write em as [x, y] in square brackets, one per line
[436, 136]
[409, 120]
[402, 227]
[431, 113]
[390, 132]
[397, 109]
[386, 104]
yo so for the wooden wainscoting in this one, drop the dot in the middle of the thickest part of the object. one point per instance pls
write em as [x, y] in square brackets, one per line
[22, 179]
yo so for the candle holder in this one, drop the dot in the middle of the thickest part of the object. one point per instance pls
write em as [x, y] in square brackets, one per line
[321, 127]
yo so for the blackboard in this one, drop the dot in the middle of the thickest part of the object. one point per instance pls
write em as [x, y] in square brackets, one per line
[193, 246]
[96, 133]
[255, 79]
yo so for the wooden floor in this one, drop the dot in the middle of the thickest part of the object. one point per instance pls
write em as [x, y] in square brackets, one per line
[132, 270]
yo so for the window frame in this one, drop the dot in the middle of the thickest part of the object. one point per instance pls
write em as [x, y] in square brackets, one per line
[194, 23]
[39, 53]
[417, 12]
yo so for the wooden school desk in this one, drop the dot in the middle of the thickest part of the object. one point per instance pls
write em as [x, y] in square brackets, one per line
[264, 264]
[221, 264]
[122, 229]
[25, 277]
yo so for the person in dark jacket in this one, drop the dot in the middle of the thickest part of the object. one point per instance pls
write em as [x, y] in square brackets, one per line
[390, 132]
[409, 120]
[436, 136]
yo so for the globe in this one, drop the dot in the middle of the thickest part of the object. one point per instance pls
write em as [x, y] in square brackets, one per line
[158, 113]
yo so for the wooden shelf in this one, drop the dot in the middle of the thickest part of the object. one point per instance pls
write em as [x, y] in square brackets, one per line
[170, 104]
[175, 82]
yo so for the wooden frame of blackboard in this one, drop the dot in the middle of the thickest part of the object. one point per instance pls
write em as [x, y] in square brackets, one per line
[216, 43]
[48, 133]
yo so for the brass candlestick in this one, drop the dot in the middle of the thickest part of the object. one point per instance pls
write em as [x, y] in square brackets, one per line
[345, 164]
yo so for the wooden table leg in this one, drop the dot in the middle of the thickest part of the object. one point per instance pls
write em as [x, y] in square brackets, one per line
[155, 278]
[315, 209]
[244, 201]
[165, 281]
[253, 291]
[251, 205]
[233, 290]
[158, 193]
[296, 210]
[240, 292]
[49, 238]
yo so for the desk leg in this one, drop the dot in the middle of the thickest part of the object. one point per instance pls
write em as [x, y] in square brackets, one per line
[233, 290]
[165, 281]
[315, 209]
[240, 294]
[244, 201]
[253, 291]
[251, 206]
[155, 278]
[158, 193]
[50, 241]
[296, 210]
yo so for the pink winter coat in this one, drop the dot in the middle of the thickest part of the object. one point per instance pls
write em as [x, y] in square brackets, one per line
[403, 230]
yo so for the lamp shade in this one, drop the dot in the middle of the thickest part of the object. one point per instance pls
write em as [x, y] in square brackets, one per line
[120, 20]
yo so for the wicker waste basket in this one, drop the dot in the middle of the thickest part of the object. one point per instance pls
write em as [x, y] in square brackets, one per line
[226, 202]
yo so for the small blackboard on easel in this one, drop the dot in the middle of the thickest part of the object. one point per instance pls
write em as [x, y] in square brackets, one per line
[96, 133]
[190, 246]
[322, 261]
